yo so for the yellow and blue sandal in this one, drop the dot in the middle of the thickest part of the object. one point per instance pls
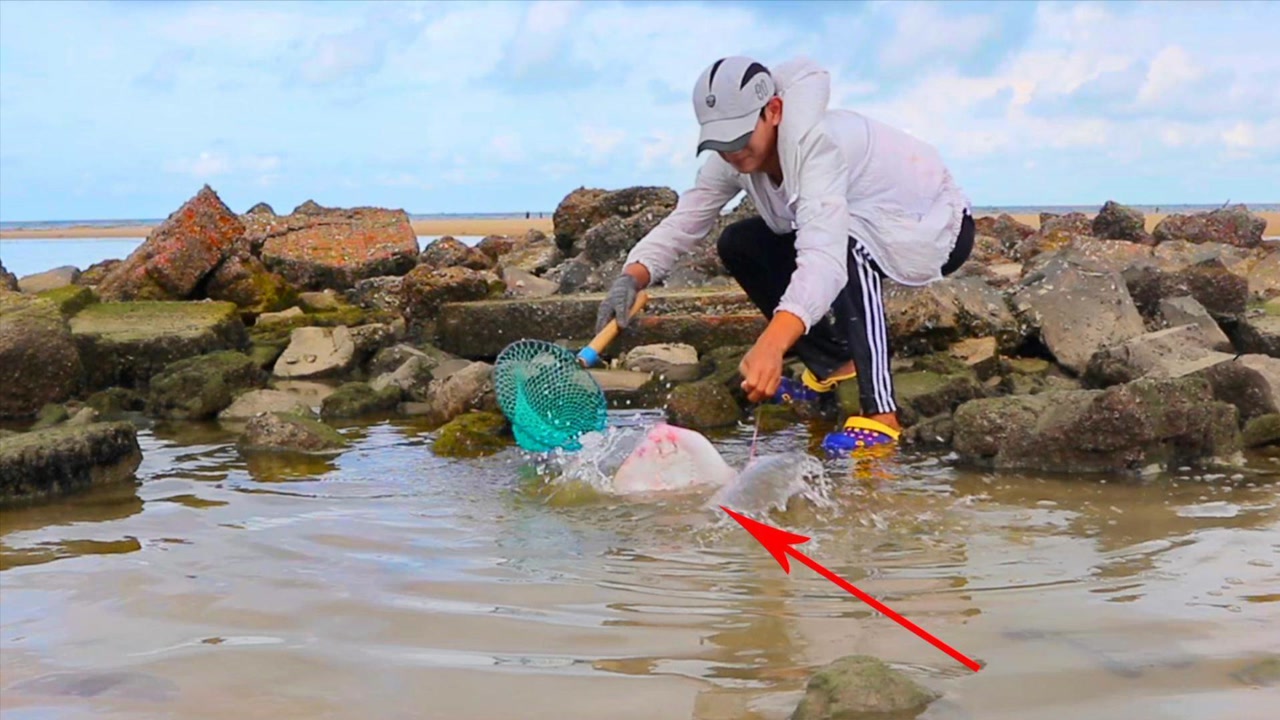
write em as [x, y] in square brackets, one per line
[859, 433]
[808, 388]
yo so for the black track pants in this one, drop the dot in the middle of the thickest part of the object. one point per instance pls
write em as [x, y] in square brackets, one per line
[854, 328]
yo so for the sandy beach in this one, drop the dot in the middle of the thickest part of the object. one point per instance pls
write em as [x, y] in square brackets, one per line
[465, 226]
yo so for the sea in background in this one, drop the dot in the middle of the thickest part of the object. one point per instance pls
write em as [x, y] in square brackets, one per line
[26, 256]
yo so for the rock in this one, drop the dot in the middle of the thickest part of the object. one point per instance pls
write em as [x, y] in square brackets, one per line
[980, 355]
[585, 208]
[1119, 222]
[1222, 293]
[1261, 431]
[58, 277]
[320, 301]
[1077, 312]
[1006, 229]
[932, 317]
[311, 207]
[425, 289]
[393, 358]
[116, 401]
[924, 394]
[8, 281]
[933, 433]
[198, 388]
[1186, 310]
[261, 209]
[1123, 428]
[317, 352]
[97, 272]
[473, 434]
[1234, 226]
[124, 344]
[523, 284]
[337, 248]
[244, 280]
[256, 402]
[1168, 353]
[495, 246]
[411, 380]
[357, 399]
[1263, 275]
[45, 464]
[676, 361]
[1093, 255]
[535, 256]
[70, 299]
[371, 338]
[83, 417]
[49, 416]
[470, 388]
[39, 360]
[451, 252]
[1258, 335]
[701, 405]
[283, 431]
[1249, 382]
[379, 293]
[705, 320]
[282, 316]
[861, 686]
[622, 388]
[178, 254]
[1054, 234]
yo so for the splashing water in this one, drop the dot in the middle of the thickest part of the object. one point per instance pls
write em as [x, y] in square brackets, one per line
[769, 482]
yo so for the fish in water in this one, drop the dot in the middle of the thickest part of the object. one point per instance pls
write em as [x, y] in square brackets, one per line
[671, 458]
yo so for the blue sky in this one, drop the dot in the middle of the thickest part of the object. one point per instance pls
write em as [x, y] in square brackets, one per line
[123, 109]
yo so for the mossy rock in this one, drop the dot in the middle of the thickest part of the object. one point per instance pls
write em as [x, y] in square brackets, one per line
[473, 434]
[70, 299]
[39, 360]
[1261, 431]
[289, 432]
[116, 401]
[50, 415]
[702, 404]
[861, 686]
[265, 354]
[772, 418]
[125, 343]
[358, 399]
[200, 387]
[349, 315]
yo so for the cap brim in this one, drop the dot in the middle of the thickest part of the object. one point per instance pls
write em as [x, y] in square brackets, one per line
[729, 135]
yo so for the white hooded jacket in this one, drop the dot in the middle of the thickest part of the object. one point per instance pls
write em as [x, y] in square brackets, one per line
[844, 175]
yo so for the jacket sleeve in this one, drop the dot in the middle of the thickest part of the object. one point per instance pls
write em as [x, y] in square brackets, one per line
[822, 231]
[695, 214]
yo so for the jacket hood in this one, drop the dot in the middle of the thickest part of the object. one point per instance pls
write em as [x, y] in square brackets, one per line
[805, 88]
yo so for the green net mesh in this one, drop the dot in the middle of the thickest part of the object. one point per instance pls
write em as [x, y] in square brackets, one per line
[549, 398]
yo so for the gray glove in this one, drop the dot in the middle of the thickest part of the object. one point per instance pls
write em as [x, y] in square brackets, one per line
[617, 304]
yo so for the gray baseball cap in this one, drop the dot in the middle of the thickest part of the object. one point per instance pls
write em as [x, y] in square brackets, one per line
[727, 99]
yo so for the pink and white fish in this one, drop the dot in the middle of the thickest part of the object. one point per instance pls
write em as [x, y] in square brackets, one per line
[672, 458]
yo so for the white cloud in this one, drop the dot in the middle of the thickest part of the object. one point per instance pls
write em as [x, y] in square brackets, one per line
[214, 163]
[597, 144]
[507, 148]
[1171, 68]
[924, 32]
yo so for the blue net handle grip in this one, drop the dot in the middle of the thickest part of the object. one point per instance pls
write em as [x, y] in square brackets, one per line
[590, 355]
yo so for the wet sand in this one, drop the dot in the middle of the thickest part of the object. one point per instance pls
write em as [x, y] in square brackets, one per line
[459, 226]
[476, 226]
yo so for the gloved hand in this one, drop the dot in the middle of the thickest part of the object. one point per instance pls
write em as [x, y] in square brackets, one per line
[617, 304]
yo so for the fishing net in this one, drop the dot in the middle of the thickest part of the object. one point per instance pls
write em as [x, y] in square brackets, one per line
[550, 399]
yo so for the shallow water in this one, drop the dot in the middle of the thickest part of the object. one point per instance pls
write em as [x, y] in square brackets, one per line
[388, 583]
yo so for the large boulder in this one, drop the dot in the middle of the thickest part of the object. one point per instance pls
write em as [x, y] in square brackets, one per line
[358, 399]
[336, 248]
[178, 254]
[44, 464]
[1055, 234]
[1006, 230]
[599, 254]
[1258, 335]
[126, 343]
[930, 318]
[199, 388]
[317, 352]
[1223, 293]
[245, 281]
[278, 431]
[701, 405]
[1119, 222]
[584, 208]
[39, 361]
[425, 289]
[451, 252]
[1076, 311]
[470, 388]
[58, 277]
[1168, 353]
[1123, 428]
[473, 434]
[1249, 382]
[256, 402]
[1234, 225]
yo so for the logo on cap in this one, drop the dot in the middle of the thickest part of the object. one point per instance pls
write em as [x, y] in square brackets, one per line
[711, 101]
[760, 89]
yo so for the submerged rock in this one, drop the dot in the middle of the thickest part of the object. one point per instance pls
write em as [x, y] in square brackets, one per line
[256, 402]
[861, 686]
[39, 360]
[44, 464]
[283, 431]
[357, 399]
[701, 405]
[473, 434]
[470, 388]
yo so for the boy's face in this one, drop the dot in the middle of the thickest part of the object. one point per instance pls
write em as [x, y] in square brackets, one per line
[763, 143]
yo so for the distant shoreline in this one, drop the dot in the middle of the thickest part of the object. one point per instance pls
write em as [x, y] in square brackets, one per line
[478, 227]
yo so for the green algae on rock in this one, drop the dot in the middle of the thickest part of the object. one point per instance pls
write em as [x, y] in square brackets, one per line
[702, 404]
[280, 431]
[39, 360]
[473, 434]
[125, 344]
[44, 464]
[1262, 431]
[358, 399]
[70, 299]
[200, 387]
[861, 686]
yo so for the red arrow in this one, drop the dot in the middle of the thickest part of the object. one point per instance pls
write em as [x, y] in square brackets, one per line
[778, 542]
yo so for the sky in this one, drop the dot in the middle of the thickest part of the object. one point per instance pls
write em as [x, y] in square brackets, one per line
[124, 109]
